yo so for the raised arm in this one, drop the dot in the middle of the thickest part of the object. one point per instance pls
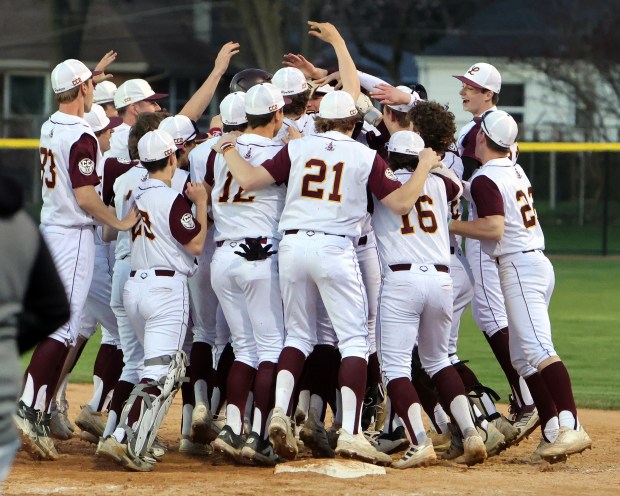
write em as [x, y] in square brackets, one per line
[348, 72]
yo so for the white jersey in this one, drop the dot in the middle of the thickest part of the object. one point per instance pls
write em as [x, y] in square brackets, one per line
[124, 186]
[166, 224]
[305, 125]
[328, 175]
[453, 162]
[501, 188]
[119, 142]
[421, 236]
[69, 155]
[198, 159]
[245, 214]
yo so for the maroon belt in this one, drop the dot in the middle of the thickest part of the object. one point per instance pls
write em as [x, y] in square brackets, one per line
[262, 241]
[158, 272]
[399, 267]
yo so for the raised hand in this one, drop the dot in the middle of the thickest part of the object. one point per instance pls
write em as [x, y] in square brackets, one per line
[222, 60]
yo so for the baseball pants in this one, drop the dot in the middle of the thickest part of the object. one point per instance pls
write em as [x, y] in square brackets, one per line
[370, 266]
[462, 290]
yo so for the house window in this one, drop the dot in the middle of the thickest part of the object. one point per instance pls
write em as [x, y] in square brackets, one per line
[512, 95]
[26, 95]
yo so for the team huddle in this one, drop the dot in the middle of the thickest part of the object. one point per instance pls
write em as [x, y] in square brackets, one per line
[308, 252]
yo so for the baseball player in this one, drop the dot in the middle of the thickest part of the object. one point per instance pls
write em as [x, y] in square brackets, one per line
[507, 224]
[294, 86]
[104, 96]
[71, 207]
[245, 79]
[325, 203]
[416, 294]
[244, 275]
[155, 296]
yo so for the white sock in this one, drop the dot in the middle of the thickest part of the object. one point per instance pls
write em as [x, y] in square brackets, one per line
[441, 419]
[316, 403]
[304, 401]
[110, 425]
[567, 419]
[415, 419]
[349, 409]
[97, 390]
[186, 420]
[459, 407]
[552, 429]
[285, 383]
[525, 392]
[233, 418]
[201, 392]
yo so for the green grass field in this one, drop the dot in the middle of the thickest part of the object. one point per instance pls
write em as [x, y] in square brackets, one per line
[585, 311]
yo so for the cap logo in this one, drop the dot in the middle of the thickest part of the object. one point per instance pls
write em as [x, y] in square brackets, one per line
[76, 81]
[304, 86]
[473, 70]
[273, 108]
[178, 141]
[353, 112]
[168, 152]
[127, 99]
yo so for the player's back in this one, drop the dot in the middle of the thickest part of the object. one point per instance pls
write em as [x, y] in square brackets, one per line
[238, 213]
[124, 186]
[327, 185]
[421, 236]
[59, 134]
[522, 230]
[154, 243]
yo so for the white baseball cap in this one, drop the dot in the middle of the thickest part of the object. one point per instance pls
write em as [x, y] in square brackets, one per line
[104, 92]
[324, 90]
[69, 74]
[500, 127]
[98, 121]
[290, 80]
[181, 128]
[263, 99]
[155, 145]
[232, 109]
[483, 76]
[406, 142]
[337, 105]
[133, 91]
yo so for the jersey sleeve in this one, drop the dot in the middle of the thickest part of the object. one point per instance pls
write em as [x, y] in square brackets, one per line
[279, 166]
[112, 170]
[453, 190]
[382, 180]
[487, 197]
[82, 162]
[469, 143]
[210, 173]
[183, 226]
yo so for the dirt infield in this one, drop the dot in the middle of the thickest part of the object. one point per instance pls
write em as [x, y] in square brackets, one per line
[79, 472]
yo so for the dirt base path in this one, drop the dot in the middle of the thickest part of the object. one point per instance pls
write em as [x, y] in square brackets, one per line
[78, 471]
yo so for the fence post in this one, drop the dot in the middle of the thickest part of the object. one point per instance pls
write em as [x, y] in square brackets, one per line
[606, 202]
[582, 185]
[552, 185]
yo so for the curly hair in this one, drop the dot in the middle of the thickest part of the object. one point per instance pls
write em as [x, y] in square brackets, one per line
[435, 124]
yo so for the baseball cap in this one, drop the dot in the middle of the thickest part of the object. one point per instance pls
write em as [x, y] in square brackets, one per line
[156, 145]
[337, 105]
[500, 127]
[324, 90]
[406, 142]
[483, 76]
[232, 109]
[104, 92]
[181, 128]
[69, 74]
[133, 91]
[263, 99]
[290, 80]
[98, 121]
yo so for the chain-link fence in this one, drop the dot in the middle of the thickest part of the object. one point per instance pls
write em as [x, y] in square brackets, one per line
[576, 194]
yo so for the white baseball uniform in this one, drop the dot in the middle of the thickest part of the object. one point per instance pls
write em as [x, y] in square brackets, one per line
[305, 125]
[119, 142]
[249, 291]
[526, 275]
[69, 153]
[416, 294]
[155, 296]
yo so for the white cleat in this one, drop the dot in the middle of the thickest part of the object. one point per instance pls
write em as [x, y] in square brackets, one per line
[421, 455]
[358, 447]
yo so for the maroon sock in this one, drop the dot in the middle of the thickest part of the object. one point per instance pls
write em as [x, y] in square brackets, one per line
[428, 398]
[542, 399]
[449, 385]
[264, 391]
[111, 374]
[45, 366]
[201, 356]
[332, 363]
[223, 369]
[352, 374]
[187, 391]
[240, 382]
[102, 359]
[402, 395]
[558, 383]
[499, 343]
[122, 390]
[134, 413]
[293, 360]
[373, 373]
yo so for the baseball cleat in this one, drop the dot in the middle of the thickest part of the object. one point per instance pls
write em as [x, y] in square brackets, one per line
[25, 420]
[111, 449]
[204, 429]
[441, 442]
[568, 442]
[332, 434]
[526, 420]
[189, 447]
[509, 431]
[314, 436]
[474, 451]
[421, 455]
[58, 427]
[45, 439]
[91, 421]
[229, 443]
[536, 457]
[391, 442]
[357, 446]
[281, 435]
[494, 441]
[157, 450]
[258, 451]
[63, 407]
[89, 438]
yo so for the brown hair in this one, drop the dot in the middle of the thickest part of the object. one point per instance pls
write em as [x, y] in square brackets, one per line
[343, 125]
[145, 122]
[402, 161]
[157, 165]
[435, 124]
[402, 118]
[495, 147]
[69, 95]
[495, 98]
[298, 104]
[262, 120]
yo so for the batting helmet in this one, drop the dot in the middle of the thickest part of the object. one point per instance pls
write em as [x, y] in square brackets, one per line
[245, 79]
